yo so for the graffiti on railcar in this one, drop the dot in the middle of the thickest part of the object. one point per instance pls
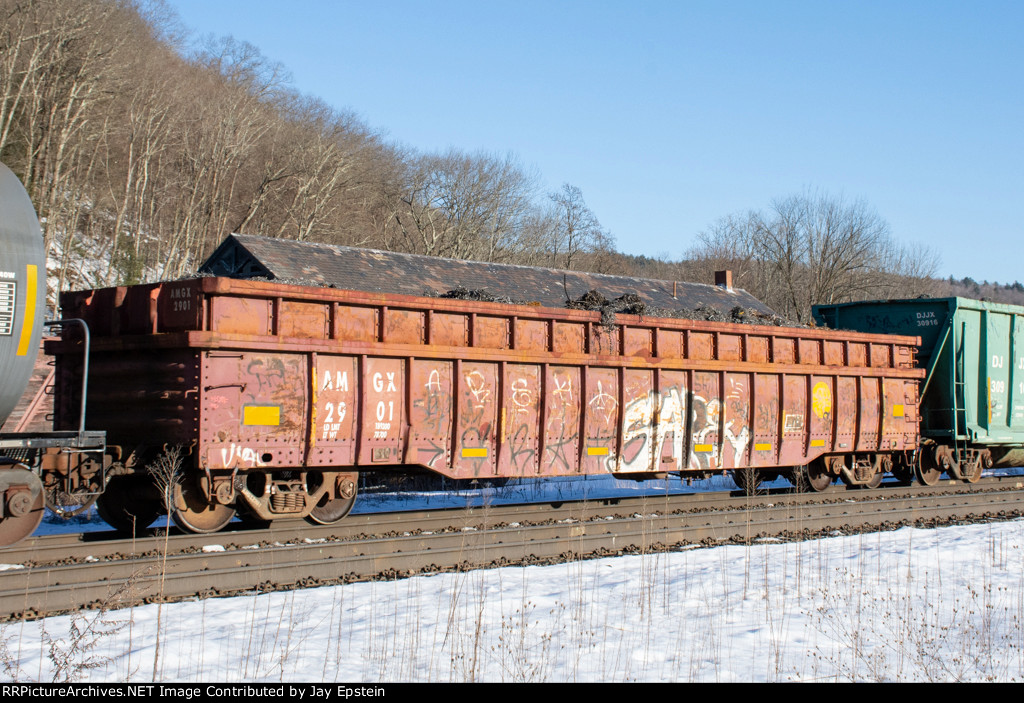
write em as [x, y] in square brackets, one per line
[477, 417]
[671, 422]
[431, 411]
[477, 395]
[601, 415]
[637, 420]
[604, 405]
[435, 403]
[279, 380]
[235, 454]
[562, 428]
[521, 416]
[736, 428]
[268, 371]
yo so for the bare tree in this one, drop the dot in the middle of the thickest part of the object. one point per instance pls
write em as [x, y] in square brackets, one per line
[576, 230]
[813, 248]
[464, 206]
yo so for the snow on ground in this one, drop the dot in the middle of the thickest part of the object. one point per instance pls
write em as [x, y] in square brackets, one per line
[913, 604]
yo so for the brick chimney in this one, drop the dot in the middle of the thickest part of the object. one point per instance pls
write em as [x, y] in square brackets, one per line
[723, 279]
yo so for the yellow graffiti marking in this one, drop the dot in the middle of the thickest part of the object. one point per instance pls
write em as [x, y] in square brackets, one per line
[821, 399]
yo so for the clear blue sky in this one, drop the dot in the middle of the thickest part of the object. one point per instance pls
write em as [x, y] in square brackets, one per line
[669, 115]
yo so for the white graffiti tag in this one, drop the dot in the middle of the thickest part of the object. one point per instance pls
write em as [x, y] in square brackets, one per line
[237, 454]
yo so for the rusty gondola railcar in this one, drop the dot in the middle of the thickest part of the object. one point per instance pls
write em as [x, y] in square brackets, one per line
[278, 395]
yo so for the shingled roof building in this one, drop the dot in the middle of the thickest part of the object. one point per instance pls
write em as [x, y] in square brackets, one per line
[372, 271]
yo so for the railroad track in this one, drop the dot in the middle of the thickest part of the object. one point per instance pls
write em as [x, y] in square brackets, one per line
[67, 572]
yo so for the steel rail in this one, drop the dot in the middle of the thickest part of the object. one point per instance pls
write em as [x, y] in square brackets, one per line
[69, 548]
[485, 538]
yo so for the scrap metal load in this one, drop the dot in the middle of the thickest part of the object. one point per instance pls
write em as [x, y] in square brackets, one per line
[279, 394]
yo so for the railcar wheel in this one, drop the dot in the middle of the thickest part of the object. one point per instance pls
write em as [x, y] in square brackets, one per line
[125, 506]
[876, 480]
[928, 476]
[192, 511]
[817, 477]
[329, 511]
[934, 462]
[24, 505]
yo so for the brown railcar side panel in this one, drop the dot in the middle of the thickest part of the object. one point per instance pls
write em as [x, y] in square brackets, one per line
[567, 337]
[430, 413]
[869, 416]
[304, 320]
[706, 424]
[669, 343]
[562, 401]
[636, 452]
[447, 330]
[700, 346]
[521, 417]
[822, 414]
[476, 428]
[672, 451]
[601, 421]
[382, 404]
[881, 356]
[783, 350]
[833, 351]
[730, 347]
[736, 420]
[793, 447]
[253, 410]
[404, 326]
[847, 408]
[531, 335]
[355, 323]
[334, 384]
[757, 349]
[766, 421]
[809, 351]
[491, 332]
[637, 341]
[250, 316]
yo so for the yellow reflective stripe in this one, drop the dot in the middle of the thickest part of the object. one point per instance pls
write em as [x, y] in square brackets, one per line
[474, 452]
[762, 447]
[28, 322]
[817, 443]
[261, 415]
[597, 451]
[703, 447]
[897, 411]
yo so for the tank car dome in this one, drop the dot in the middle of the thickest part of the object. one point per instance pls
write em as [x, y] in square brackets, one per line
[22, 289]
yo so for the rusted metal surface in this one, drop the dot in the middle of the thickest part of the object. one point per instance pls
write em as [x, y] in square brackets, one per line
[256, 375]
[372, 271]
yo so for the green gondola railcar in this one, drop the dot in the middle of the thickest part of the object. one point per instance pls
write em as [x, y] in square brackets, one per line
[972, 398]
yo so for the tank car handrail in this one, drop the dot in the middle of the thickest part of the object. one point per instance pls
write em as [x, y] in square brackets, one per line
[85, 364]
